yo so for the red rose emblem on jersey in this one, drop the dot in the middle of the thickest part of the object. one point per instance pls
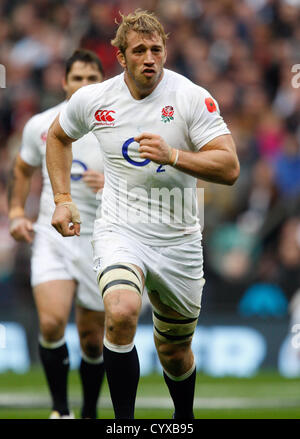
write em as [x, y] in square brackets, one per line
[44, 136]
[210, 105]
[167, 113]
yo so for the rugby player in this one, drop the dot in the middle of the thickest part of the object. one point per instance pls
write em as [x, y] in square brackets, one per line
[157, 130]
[62, 268]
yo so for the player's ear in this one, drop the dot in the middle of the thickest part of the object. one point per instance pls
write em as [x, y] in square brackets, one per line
[121, 58]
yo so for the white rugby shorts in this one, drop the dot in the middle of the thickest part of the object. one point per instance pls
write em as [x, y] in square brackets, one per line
[57, 258]
[175, 272]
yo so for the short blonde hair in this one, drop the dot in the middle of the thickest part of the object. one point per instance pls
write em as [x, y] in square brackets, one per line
[141, 22]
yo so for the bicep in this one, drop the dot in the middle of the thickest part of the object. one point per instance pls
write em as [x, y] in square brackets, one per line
[58, 133]
[23, 167]
[224, 142]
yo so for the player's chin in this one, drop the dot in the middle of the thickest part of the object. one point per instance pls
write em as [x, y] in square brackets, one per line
[150, 81]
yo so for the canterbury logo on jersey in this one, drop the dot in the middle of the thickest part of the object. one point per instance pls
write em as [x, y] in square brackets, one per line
[104, 117]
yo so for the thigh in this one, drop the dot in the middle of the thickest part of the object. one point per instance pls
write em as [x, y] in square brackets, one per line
[158, 305]
[88, 295]
[110, 247]
[177, 327]
[89, 323]
[54, 299]
[111, 250]
[48, 258]
[176, 274]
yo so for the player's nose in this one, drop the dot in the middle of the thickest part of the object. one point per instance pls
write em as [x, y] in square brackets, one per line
[149, 58]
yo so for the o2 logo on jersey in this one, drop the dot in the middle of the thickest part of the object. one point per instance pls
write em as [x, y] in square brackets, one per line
[104, 117]
[78, 168]
[130, 160]
[134, 162]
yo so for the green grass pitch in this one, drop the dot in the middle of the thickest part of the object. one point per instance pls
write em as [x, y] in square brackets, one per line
[265, 396]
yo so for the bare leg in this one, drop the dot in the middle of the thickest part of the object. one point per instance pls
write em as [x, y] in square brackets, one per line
[122, 309]
[54, 301]
[177, 360]
[90, 326]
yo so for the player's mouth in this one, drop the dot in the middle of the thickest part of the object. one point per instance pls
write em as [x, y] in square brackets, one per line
[148, 72]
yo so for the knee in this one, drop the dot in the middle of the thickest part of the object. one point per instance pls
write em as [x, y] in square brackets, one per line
[52, 328]
[173, 353]
[122, 312]
[122, 317]
[91, 343]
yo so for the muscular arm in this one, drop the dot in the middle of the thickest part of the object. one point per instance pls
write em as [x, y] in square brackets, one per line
[216, 161]
[18, 190]
[59, 158]
[59, 161]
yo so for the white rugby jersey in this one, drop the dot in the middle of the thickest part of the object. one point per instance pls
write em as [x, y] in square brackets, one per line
[86, 155]
[155, 203]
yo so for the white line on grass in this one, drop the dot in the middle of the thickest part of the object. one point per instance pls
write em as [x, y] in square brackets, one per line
[30, 400]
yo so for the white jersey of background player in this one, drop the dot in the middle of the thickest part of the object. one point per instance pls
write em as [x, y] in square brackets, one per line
[43, 265]
[33, 152]
[60, 268]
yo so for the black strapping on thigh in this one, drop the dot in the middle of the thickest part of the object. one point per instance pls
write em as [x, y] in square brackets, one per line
[174, 337]
[112, 267]
[120, 282]
[176, 321]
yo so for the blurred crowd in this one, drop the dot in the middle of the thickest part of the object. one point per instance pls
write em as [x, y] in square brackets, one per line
[247, 54]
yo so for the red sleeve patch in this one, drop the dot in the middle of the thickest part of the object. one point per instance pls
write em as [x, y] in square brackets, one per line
[210, 105]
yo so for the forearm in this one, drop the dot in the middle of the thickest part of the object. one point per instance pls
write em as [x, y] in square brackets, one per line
[217, 166]
[216, 161]
[18, 187]
[59, 161]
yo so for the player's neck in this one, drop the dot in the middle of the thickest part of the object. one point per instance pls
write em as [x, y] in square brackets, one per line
[137, 92]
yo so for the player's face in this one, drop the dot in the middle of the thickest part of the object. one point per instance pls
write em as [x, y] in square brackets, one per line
[143, 62]
[81, 74]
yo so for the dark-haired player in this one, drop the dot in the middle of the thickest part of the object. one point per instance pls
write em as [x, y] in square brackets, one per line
[62, 269]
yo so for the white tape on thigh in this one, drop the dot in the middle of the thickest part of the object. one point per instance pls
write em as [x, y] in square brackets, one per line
[171, 330]
[120, 276]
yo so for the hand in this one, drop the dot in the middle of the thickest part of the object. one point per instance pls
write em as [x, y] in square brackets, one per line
[154, 147]
[64, 215]
[21, 229]
[93, 179]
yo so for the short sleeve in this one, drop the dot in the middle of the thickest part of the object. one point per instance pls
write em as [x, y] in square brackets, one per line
[206, 122]
[30, 149]
[72, 117]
